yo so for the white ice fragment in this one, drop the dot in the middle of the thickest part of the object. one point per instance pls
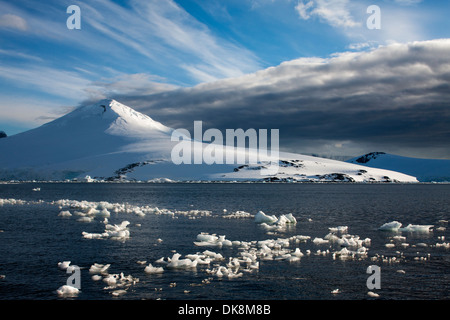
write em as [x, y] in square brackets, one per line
[118, 292]
[67, 291]
[85, 219]
[65, 213]
[341, 229]
[96, 277]
[319, 241]
[99, 268]
[63, 265]
[153, 270]
[373, 294]
[297, 253]
[421, 244]
[335, 291]
[417, 228]
[390, 226]
[261, 217]
[111, 279]
[177, 263]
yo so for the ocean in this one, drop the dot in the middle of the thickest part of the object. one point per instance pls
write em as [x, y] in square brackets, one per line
[169, 222]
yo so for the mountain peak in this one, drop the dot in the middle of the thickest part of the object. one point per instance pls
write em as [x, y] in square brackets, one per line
[119, 118]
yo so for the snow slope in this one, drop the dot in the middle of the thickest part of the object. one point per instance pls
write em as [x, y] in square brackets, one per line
[110, 141]
[426, 170]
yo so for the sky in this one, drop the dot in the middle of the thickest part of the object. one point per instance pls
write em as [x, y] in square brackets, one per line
[337, 78]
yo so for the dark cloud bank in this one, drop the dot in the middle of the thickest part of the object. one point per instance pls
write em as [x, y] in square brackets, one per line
[395, 98]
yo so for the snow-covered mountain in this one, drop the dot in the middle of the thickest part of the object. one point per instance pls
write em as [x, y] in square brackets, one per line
[425, 170]
[111, 141]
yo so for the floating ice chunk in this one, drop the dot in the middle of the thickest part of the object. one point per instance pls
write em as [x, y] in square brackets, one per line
[153, 270]
[417, 228]
[88, 235]
[389, 245]
[390, 226]
[177, 263]
[300, 238]
[222, 271]
[65, 213]
[297, 253]
[362, 251]
[67, 291]
[161, 260]
[118, 292]
[208, 240]
[445, 245]
[421, 244]
[319, 241]
[63, 265]
[261, 217]
[335, 291]
[332, 237]
[205, 237]
[343, 253]
[238, 215]
[399, 238]
[213, 255]
[85, 219]
[111, 279]
[341, 229]
[99, 268]
[284, 219]
[104, 213]
[36, 189]
[373, 294]
[96, 277]
[113, 232]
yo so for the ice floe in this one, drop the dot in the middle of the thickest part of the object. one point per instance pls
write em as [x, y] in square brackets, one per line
[67, 291]
[390, 226]
[114, 232]
[97, 268]
[272, 223]
[238, 215]
[396, 226]
[152, 270]
[64, 265]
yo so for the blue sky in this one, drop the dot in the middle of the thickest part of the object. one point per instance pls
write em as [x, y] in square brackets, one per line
[133, 49]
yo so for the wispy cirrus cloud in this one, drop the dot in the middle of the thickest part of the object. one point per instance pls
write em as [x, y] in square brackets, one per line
[13, 21]
[334, 12]
[165, 33]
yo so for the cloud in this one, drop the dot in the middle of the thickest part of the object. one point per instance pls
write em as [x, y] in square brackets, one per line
[127, 84]
[334, 12]
[407, 2]
[395, 96]
[13, 22]
[153, 36]
[59, 83]
[166, 34]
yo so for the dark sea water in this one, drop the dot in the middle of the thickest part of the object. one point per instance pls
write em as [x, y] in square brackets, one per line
[33, 239]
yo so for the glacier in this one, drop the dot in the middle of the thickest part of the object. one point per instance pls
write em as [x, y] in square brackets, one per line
[425, 170]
